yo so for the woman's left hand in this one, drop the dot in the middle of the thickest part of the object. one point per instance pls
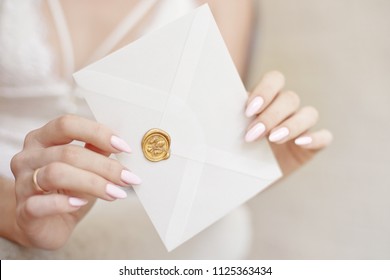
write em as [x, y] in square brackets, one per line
[278, 116]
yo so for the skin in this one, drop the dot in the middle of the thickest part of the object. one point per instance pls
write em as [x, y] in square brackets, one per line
[34, 218]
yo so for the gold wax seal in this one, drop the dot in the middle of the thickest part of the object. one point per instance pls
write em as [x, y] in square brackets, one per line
[155, 144]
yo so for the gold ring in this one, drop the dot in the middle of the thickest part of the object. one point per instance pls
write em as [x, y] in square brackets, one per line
[35, 181]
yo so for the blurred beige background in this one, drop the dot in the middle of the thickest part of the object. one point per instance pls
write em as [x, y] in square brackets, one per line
[336, 55]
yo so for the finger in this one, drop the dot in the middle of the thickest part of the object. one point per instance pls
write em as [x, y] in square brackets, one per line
[85, 159]
[270, 85]
[96, 150]
[65, 129]
[285, 104]
[315, 140]
[295, 125]
[39, 206]
[59, 176]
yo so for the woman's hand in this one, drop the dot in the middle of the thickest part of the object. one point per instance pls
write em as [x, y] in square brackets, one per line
[278, 117]
[56, 183]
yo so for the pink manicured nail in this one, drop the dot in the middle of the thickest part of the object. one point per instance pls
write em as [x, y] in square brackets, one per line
[304, 140]
[115, 191]
[254, 132]
[120, 144]
[279, 134]
[130, 178]
[254, 106]
[77, 202]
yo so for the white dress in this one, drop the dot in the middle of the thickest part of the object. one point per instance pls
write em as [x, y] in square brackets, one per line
[31, 94]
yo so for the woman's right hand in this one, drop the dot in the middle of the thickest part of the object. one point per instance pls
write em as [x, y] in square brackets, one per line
[68, 178]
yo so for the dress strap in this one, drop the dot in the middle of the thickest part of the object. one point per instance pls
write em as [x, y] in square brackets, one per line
[64, 37]
[132, 19]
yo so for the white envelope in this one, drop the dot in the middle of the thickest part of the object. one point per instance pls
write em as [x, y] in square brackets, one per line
[181, 79]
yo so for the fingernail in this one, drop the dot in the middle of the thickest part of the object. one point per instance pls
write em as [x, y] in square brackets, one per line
[254, 132]
[120, 144]
[130, 178]
[304, 140]
[279, 134]
[115, 191]
[77, 202]
[254, 106]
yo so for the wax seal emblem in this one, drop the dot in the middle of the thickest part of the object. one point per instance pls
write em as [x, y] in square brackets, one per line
[156, 144]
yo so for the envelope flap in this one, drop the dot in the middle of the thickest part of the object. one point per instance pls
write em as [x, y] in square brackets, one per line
[91, 82]
[151, 60]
